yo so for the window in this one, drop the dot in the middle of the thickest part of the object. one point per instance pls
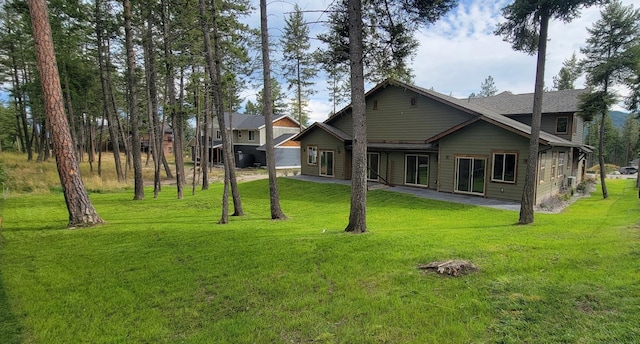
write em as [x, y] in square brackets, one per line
[375, 104]
[373, 166]
[562, 123]
[416, 170]
[252, 135]
[504, 167]
[218, 135]
[413, 101]
[561, 164]
[554, 164]
[543, 166]
[312, 155]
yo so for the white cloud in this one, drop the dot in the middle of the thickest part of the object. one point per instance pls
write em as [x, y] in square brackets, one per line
[458, 52]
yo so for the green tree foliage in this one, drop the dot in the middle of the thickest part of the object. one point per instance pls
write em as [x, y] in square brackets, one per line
[388, 41]
[278, 99]
[526, 28]
[398, 17]
[569, 73]
[633, 100]
[300, 68]
[8, 128]
[488, 87]
[609, 60]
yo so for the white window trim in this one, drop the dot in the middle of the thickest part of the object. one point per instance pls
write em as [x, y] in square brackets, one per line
[252, 139]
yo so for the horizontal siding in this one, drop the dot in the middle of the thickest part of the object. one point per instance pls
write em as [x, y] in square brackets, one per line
[395, 119]
[552, 185]
[324, 142]
[287, 157]
[481, 140]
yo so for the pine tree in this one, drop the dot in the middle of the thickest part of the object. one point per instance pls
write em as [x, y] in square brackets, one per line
[488, 87]
[569, 73]
[609, 61]
[405, 16]
[526, 29]
[299, 65]
[81, 210]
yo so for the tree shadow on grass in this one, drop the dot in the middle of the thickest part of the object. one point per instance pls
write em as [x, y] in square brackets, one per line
[10, 328]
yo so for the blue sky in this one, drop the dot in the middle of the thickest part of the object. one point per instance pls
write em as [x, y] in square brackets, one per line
[457, 53]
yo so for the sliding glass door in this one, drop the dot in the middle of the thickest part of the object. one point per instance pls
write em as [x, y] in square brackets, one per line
[470, 174]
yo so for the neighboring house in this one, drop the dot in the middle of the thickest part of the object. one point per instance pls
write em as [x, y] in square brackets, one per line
[421, 138]
[167, 141]
[249, 136]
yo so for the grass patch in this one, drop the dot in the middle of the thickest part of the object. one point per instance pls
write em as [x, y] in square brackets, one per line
[162, 270]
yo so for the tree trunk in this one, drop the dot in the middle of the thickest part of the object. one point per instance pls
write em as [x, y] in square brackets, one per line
[27, 142]
[358, 210]
[276, 211]
[206, 156]
[81, 210]
[529, 189]
[603, 168]
[155, 132]
[218, 104]
[106, 96]
[214, 76]
[134, 126]
[176, 117]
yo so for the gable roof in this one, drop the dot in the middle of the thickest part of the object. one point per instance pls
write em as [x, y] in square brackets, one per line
[507, 103]
[250, 122]
[333, 131]
[476, 110]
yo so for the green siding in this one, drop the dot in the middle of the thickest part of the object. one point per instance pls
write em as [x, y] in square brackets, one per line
[481, 140]
[395, 119]
[552, 185]
[324, 142]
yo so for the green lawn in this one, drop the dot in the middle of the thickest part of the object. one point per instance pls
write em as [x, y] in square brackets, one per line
[163, 271]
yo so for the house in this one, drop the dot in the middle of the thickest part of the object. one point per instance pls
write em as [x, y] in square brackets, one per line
[167, 141]
[249, 136]
[421, 138]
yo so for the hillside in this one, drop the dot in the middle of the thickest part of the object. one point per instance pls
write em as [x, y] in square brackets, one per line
[618, 118]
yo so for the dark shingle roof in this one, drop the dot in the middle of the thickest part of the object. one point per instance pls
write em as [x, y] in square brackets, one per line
[560, 101]
[247, 122]
[507, 103]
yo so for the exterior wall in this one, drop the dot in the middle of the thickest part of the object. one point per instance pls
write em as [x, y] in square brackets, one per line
[286, 122]
[325, 142]
[248, 155]
[395, 119]
[578, 137]
[552, 183]
[392, 167]
[481, 140]
[575, 125]
[277, 131]
[241, 137]
[287, 157]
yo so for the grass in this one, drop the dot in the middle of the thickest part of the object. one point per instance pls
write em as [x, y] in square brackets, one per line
[162, 270]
